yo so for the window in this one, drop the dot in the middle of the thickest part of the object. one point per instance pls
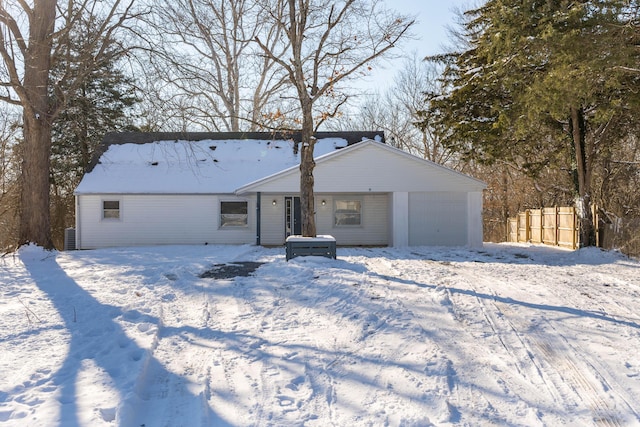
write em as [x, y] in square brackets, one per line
[233, 214]
[348, 213]
[111, 209]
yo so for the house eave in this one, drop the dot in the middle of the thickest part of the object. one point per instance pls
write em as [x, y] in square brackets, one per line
[149, 193]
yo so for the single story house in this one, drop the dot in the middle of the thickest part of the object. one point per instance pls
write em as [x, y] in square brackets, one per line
[243, 188]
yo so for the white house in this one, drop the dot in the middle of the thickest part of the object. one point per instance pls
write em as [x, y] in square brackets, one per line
[231, 188]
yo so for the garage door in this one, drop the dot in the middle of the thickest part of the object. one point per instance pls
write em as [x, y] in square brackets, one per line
[438, 219]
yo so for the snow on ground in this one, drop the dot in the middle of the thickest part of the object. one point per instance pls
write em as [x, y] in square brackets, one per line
[506, 335]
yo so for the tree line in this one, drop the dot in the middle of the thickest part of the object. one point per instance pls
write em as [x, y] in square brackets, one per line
[538, 98]
[546, 93]
[74, 70]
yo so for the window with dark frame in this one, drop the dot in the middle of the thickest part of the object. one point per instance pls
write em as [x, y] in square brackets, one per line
[111, 209]
[233, 214]
[347, 213]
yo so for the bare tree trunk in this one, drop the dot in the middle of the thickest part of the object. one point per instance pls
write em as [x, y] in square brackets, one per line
[297, 18]
[323, 48]
[583, 170]
[27, 65]
[307, 199]
[35, 223]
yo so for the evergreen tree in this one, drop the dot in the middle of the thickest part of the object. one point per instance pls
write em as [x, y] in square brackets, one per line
[542, 84]
[32, 35]
[102, 102]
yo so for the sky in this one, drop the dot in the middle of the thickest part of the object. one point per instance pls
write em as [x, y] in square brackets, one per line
[433, 17]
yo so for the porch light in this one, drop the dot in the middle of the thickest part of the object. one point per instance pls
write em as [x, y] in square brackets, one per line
[324, 202]
[274, 202]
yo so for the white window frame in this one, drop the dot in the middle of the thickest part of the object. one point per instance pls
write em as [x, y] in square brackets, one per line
[340, 200]
[232, 225]
[104, 209]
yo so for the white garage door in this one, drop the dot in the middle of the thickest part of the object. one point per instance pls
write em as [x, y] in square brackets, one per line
[438, 219]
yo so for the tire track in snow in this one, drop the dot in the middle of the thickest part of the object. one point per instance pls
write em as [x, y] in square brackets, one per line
[378, 288]
[185, 394]
[276, 369]
[234, 371]
[569, 374]
[517, 351]
[438, 378]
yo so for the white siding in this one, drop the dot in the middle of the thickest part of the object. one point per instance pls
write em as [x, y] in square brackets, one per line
[272, 225]
[475, 234]
[400, 219]
[374, 229]
[372, 167]
[159, 220]
[438, 219]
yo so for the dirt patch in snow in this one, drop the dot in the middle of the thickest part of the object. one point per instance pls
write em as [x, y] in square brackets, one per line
[229, 271]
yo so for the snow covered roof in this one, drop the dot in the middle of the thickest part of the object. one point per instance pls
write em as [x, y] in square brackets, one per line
[199, 163]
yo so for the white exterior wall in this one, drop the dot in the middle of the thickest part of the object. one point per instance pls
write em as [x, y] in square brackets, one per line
[374, 229]
[272, 222]
[400, 219]
[159, 220]
[427, 204]
[474, 227]
[372, 168]
[438, 219]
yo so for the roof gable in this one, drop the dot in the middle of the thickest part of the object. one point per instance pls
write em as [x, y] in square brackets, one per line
[371, 167]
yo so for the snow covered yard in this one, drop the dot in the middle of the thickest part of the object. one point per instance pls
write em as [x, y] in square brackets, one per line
[505, 335]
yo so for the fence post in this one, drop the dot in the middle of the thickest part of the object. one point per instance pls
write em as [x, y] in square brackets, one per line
[556, 227]
[541, 225]
[527, 225]
[575, 228]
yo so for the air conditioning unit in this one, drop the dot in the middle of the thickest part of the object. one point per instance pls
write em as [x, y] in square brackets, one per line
[70, 239]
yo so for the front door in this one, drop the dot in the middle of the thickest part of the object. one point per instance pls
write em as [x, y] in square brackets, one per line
[292, 216]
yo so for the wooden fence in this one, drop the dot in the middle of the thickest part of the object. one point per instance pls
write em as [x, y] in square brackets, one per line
[556, 226]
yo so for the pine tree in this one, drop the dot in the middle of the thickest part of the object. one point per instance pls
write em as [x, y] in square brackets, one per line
[102, 102]
[541, 84]
[32, 35]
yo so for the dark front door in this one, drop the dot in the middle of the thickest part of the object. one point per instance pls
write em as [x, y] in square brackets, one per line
[292, 220]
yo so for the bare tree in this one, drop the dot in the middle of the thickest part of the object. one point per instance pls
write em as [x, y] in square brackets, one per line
[400, 111]
[28, 41]
[31, 93]
[8, 175]
[328, 42]
[205, 51]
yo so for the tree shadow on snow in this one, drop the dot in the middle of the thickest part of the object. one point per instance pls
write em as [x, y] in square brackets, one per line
[96, 338]
[504, 253]
[575, 312]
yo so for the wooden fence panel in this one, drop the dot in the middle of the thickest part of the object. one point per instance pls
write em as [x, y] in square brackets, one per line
[536, 225]
[550, 228]
[523, 226]
[567, 227]
[556, 226]
[512, 228]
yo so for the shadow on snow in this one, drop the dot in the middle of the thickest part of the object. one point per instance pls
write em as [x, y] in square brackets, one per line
[95, 336]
